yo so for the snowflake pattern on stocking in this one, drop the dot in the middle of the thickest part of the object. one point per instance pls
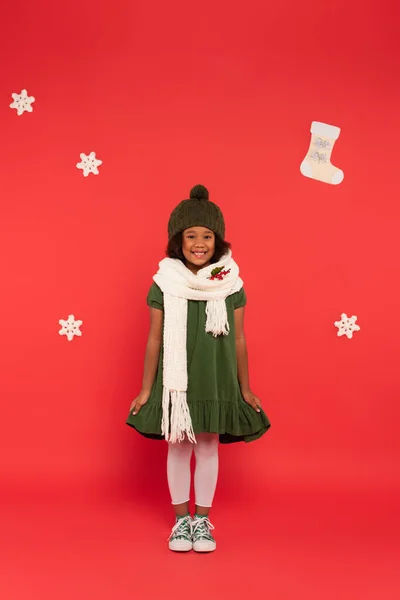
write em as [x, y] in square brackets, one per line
[319, 157]
[347, 326]
[322, 144]
[89, 164]
[70, 327]
[22, 102]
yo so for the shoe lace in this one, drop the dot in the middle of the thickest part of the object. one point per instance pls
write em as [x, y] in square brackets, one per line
[182, 528]
[201, 528]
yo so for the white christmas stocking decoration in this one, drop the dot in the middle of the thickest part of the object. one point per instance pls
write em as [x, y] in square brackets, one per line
[317, 164]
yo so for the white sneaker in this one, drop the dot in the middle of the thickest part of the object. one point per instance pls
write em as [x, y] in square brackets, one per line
[203, 540]
[180, 539]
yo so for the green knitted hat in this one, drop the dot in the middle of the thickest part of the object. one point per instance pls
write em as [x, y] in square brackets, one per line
[198, 211]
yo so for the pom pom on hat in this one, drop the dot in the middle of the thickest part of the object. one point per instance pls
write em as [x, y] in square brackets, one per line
[199, 192]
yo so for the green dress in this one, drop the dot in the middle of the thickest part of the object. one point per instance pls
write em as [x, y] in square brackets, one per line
[214, 398]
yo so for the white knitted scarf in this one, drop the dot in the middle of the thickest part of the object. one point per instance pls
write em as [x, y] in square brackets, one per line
[179, 285]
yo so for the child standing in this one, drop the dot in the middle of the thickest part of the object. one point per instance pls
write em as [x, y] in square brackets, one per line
[195, 390]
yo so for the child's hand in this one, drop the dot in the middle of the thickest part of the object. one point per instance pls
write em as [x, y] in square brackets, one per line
[252, 400]
[138, 402]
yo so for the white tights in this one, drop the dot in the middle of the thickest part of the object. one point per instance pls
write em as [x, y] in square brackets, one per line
[206, 471]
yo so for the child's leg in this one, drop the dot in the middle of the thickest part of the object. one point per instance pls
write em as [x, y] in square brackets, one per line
[206, 472]
[178, 473]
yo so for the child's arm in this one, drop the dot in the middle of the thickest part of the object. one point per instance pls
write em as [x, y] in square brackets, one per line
[152, 356]
[242, 361]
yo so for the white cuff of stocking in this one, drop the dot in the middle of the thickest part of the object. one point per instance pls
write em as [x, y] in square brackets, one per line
[328, 131]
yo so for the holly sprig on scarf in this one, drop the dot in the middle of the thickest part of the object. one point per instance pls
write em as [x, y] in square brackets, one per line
[219, 273]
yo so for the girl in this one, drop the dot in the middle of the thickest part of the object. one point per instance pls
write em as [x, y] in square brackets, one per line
[196, 390]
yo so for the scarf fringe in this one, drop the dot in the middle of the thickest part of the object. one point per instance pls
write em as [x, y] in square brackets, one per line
[174, 430]
[217, 318]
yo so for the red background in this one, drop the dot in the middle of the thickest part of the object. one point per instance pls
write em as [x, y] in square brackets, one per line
[169, 95]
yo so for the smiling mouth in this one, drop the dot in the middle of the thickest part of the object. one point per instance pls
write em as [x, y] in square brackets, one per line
[199, 254]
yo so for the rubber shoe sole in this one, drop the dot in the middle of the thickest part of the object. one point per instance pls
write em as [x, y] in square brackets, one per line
[204, 546]
[180, 545]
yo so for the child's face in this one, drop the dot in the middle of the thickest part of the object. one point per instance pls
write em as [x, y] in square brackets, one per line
[198, 247]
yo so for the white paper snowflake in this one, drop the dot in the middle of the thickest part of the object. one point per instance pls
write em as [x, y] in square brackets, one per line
[22, 102]
[89, 164]
[70, 327]
[347, 325]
